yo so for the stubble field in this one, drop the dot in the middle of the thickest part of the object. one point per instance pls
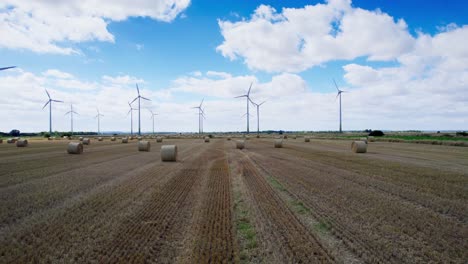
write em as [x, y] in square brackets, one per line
[303, 203]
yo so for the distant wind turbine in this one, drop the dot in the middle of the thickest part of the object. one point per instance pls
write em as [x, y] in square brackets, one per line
[152, 117]
[139, 107]
[98, 116]
[248, 99]
[71, 112]
[6, 68]
[200, 115]
[339, 95]
[131, 117]
[258, 115]
[49, 102]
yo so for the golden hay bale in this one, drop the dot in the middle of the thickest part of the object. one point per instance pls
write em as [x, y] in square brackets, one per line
[228, 138]
[1, 141]
[139, 138]
[240, 144]
[370, 138]
[125, 140]
[285, 136]
[207, 139]
[306, 139]
[169, 152]
[100, 139]
[278, 143]
[159, 139]
[112, 138]
[55, 138]
[294, 137]
[22, 143]
[86, 141]
[359, 147]
[363, 139]
[75, 148]
[49, 138]
[81, 138]
[144, 145]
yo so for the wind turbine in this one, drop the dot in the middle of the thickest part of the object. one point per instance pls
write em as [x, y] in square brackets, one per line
[98, 116]
[6, 68]
[49, 102]
[71, 112]
[248, 99]
[139, 107]
[339, 94]
[152, 116]
[131, 117]
[258, 115]
[200, 114]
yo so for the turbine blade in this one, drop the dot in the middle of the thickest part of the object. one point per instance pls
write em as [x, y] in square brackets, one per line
[134, 100]
[138, 90]
[58, 101]
[338, 94]
[336, 85]
[67, 112]
[145, 98]
[46, 104]
[240, 96]
[262, 103]
[202, 102]
[248, 93]
[6, 68]
[129, 111]
[47, 93]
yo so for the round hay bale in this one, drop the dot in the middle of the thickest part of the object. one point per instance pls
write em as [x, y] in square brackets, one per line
[144, 145]
[285, 136]
[228, 138]
[49, 138]
[278, 143]
[159, 139]
[99, 139]
[169, 152]
[139, 138]
[306, 139]
[1, 141]
[75, 148]
[359, 147]
[294, 137]
[112, 138]
[81, 138]
[11, 141]
[55, 138]
[240, 144]
[125, 140]
[22, 143]
[363, 139]
[370, 138]
[86, 141]
[207, 139]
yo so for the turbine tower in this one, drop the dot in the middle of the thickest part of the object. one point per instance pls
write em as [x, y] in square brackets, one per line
[258, 115]
[49, 102]
[248, 99]
[71, 112]
[131, 117]
[6, 68]
[200, 115]
[139, 107]
[98, 116]
[339, 95]
[152, 116]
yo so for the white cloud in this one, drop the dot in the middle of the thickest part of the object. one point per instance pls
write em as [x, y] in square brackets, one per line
[49, 26]
[299, 38]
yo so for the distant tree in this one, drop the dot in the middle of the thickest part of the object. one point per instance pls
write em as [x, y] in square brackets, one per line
[15, 133]
[376, 133]
[462, 133]
[46, 134]
[281, 132]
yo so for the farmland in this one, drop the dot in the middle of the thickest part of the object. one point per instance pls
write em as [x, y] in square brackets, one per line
[303, 203]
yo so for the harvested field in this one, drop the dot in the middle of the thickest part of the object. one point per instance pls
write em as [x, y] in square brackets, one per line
[303, 203]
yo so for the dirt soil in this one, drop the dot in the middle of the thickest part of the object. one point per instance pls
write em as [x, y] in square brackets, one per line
[311, 202]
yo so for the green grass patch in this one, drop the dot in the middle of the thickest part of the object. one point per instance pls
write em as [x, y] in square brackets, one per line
[323, 226]
[244, 228]
[299, 207]
[276, 184]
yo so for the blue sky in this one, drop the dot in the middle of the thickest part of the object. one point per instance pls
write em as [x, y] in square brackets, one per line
[171, 56]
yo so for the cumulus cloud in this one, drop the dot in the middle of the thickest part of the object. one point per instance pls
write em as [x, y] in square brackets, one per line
[50, 26]
[296, 39]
